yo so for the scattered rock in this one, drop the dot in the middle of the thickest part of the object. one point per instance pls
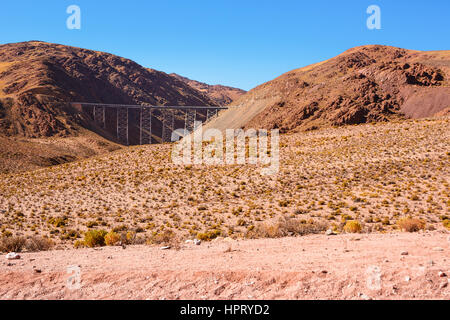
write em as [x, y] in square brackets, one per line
[219, 290]
[228, 249]
[442, 274]
[438, 249]
[364, 296]
[12, 256]
[165, 248]
[197, 242]
[404, 253]
[330, 232]
[37, 271]
[407, 278]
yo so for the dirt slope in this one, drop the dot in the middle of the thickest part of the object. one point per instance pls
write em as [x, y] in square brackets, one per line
[312, 267]
[221, 95]
[364, 84]
[18, 154]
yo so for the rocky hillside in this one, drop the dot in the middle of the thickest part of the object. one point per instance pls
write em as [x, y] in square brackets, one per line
[221, 95]
[37, 78]
[364, 84]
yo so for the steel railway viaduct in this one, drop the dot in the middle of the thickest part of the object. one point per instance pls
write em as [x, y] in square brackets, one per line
[145, 124]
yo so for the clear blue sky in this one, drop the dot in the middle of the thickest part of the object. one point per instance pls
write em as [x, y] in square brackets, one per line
[239, 43]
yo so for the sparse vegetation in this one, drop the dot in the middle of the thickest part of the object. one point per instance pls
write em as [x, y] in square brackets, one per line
[352, 226]
[446, 223]
[166, 237]
[411, 224]
[286, 227]
[95, 238]
[112, 239]
[35, 244]
[368, 173]
[207, 236]
[12, 244]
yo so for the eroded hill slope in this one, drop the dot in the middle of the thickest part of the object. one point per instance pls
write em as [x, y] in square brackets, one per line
[364, 84]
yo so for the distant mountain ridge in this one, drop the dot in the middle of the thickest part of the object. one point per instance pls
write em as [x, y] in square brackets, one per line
[221, 95]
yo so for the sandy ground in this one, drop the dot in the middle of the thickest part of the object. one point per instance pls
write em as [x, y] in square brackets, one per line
[363, 266]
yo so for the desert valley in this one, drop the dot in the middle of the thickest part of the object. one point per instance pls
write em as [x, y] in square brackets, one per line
[359, 208]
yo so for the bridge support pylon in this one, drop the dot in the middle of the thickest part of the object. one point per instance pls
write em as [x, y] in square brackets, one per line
[122, 125]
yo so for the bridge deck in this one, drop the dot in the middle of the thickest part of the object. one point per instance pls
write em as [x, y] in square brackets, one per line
[130, 106]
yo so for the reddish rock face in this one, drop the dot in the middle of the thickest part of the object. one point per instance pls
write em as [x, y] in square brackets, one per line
[364, 84]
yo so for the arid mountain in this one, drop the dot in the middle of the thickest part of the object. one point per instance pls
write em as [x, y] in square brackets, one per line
[37, 78]
[221, 95]
[364, 84]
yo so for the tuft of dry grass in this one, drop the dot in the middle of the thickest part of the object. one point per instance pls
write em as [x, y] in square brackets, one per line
[446, 223]
[36, 243]
[167, 237]
[352, 226]
[411, 224]
[12, 244]
[208, 236]
[95, 238]
[112, 239]
[286, 227]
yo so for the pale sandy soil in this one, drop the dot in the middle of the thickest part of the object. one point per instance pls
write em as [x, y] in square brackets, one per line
[310, 267]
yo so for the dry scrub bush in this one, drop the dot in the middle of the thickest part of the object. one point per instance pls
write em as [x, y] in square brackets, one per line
[130, 237]
[95, 238]
[411, 224]
[208, 236]
[352, 226]
[35, 244]
[17, 244]
[166, 237]
[79, 244]
[286, 227]
[12, 244]
[112, 239]
[446, 223]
